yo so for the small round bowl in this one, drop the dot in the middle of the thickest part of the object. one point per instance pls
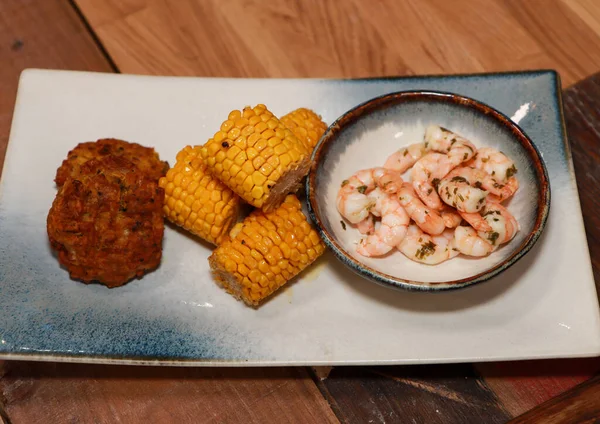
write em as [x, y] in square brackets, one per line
[366, 135]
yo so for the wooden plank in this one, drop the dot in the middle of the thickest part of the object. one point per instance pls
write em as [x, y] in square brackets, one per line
[315, 38]
[573, 47]
[40, 34]
[580, 405]
[521, 386]
[418, 394]
[57, 393]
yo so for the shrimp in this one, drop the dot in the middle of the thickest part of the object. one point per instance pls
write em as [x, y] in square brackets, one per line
[451, 218]
[394, 223]
[502, 170]
[353, 201]
[476, 221]
[504, 225]
[465, 189]
[504, 191]
[367, 225]
[427, 249]
[426, 218]
[426, 174]
[495, 163]
[404, 158]
[388, 180]
[458, 149]
[469, 243]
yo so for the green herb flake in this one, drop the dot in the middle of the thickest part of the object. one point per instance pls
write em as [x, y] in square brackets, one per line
[429, 191]
[343, 225]
[345, 182]
[511, 171]
[405, 153]
[459, 179]
[493, 237]
[465, 156]
[425, 250]
[362, 189]
[478, 184]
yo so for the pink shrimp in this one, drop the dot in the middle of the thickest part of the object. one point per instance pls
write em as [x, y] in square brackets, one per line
[426, 174]
[428, 249]
[394, 222]
[353, 200]
[442, 140]
[426, 218]
[404, 158]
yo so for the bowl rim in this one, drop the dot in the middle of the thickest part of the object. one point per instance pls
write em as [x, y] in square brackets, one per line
[391, 99]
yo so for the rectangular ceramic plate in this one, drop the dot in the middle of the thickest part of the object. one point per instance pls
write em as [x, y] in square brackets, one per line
[543, 307]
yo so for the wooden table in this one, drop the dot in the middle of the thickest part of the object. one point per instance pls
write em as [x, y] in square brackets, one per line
[313, 38]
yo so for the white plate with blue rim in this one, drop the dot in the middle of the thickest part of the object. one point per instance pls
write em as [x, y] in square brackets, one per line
[544, 306]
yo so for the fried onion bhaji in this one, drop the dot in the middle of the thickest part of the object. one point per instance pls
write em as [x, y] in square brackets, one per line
[145, 158]
[106, 223]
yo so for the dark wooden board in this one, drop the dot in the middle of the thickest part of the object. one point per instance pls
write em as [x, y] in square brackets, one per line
[579, 405]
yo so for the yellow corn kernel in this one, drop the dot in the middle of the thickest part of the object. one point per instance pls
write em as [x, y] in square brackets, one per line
[260, 142]
[264, 262]
[306, 125]
[197, 201]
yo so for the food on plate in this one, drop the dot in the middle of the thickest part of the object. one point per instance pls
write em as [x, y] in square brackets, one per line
[265, 251]
[144, 158]
[450, 203]
[306, 125]
[405, 157]
[197, 201]
[106, 221]
[257, 156]
[428, 249]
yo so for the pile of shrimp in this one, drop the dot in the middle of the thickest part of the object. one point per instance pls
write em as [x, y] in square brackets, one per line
[451, 203]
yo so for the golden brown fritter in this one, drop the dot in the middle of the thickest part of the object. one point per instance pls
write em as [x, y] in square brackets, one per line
[145, 158]
[107, 224]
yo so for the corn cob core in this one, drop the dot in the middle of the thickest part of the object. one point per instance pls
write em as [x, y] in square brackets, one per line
[257, 157]
[306, 125]
[265, 251]
[197, 201]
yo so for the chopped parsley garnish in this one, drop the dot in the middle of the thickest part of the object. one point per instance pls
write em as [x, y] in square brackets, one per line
[459, 179]
[511, 171]
[405, 153]
[493, 237]
[478, 184]
[343, 225]
[362, 189]
[345, 182]
[425, 250]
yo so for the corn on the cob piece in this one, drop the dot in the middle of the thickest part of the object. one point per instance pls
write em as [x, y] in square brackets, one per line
[257, 157]
[306, 125]
[265, 251]
[197, 201]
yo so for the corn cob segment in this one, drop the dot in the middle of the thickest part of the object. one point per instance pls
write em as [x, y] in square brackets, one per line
[306, 125]
[265, 251]
[257, 157]
[197, 201]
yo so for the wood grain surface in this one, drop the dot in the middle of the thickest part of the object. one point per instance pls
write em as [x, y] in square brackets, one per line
[351, 38]
[66, 393]
[292, 39]
[580, 405]
[40, 34]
